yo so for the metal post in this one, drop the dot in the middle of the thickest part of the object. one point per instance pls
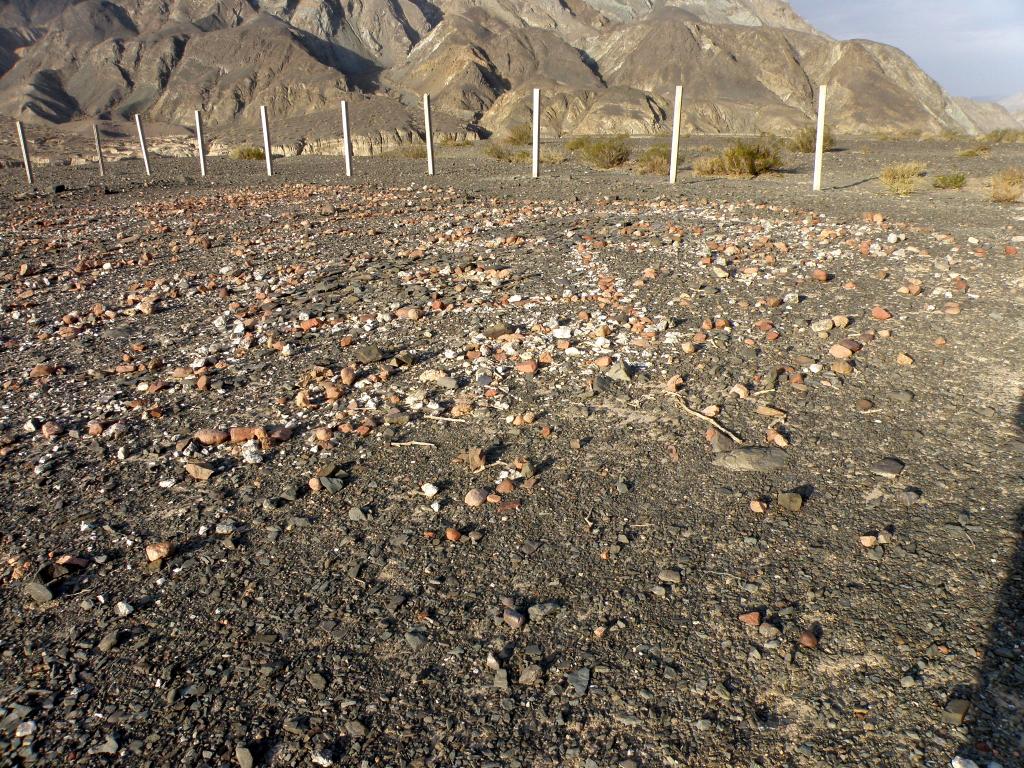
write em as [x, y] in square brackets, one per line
[536, 132]
[346, 138]
[142, 143]
[99, 149]
[819, 144]
[24, 152]
[429, 134]
[266, 141]
[200, 145]
[677, 116]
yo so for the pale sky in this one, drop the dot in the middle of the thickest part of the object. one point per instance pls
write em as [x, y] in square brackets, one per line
[972, 47]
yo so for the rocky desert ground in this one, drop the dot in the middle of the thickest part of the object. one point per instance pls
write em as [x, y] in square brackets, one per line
[477, 470]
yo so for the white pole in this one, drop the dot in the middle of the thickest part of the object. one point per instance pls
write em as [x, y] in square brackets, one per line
[24, 152]
[266, 141]
[819, 144]
[346, 138]
[429, 134]
[199, 144]
[142, 143]
[536, 132]
[99, 149]
[677, 116]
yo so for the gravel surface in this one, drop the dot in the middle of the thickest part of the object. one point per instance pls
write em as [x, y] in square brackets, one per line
[479, 471]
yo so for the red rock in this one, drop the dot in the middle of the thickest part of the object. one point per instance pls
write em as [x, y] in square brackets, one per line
[212, 436]
[527, 366]
[821, 275]
[41, 371]
[506, 486]
[242, 434]
[880, 313]
[808, 639]
[751, 619]
[452, 534]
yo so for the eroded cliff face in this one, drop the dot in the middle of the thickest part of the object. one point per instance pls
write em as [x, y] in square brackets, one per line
[604, 65]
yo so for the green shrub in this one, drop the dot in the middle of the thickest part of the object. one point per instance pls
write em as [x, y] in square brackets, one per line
[805, 140]
[519, 135]
[901, 178]
[741, 159]
[950, 181]
[247, 153]
[655, 159]
[1008, 185]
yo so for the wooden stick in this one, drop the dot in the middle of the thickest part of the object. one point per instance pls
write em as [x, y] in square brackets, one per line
[199, 144]
[266, 141]
[698, 415]
[429, 134]
[536, 132]
[677, 114]
[819, 143]
[24, 152]
[346, 138]
[142, 143]
[408, 443]
[99, 149]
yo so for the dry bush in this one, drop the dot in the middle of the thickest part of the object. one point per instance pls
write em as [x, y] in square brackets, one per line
[1004, 136]
[978, 151]
[741, 159]
[607, 152]
[656, 159]
[452, 141]
[950, 181]
[506, 154]
[1008, 185]
[413, 151]
[901, 178]
[246, 153]
[519, 135]
[806, 138]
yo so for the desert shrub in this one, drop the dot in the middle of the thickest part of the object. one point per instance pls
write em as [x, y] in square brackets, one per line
[741, 159]
[1004, 136]
[452, 141]
[577, 143]
[656, 159]
[1008, 185]
[247, 153]
[806, 138]
[506, 154]
[950, 181]
[519, 135]
[901, 178]
[607, 152]
[413, 151]
[978, 151]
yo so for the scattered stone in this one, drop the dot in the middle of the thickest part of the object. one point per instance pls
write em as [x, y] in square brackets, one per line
[754, 459]
[888, 467]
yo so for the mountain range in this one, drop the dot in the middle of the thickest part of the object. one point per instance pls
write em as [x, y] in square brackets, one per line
[604, 66]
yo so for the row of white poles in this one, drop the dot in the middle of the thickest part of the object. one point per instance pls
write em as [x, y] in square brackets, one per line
[428, 138]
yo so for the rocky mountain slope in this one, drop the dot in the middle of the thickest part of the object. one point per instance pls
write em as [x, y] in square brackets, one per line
[1015, 106]
[604, 65]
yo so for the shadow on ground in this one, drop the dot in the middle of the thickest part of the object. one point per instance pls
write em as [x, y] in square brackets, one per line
[996, 724]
